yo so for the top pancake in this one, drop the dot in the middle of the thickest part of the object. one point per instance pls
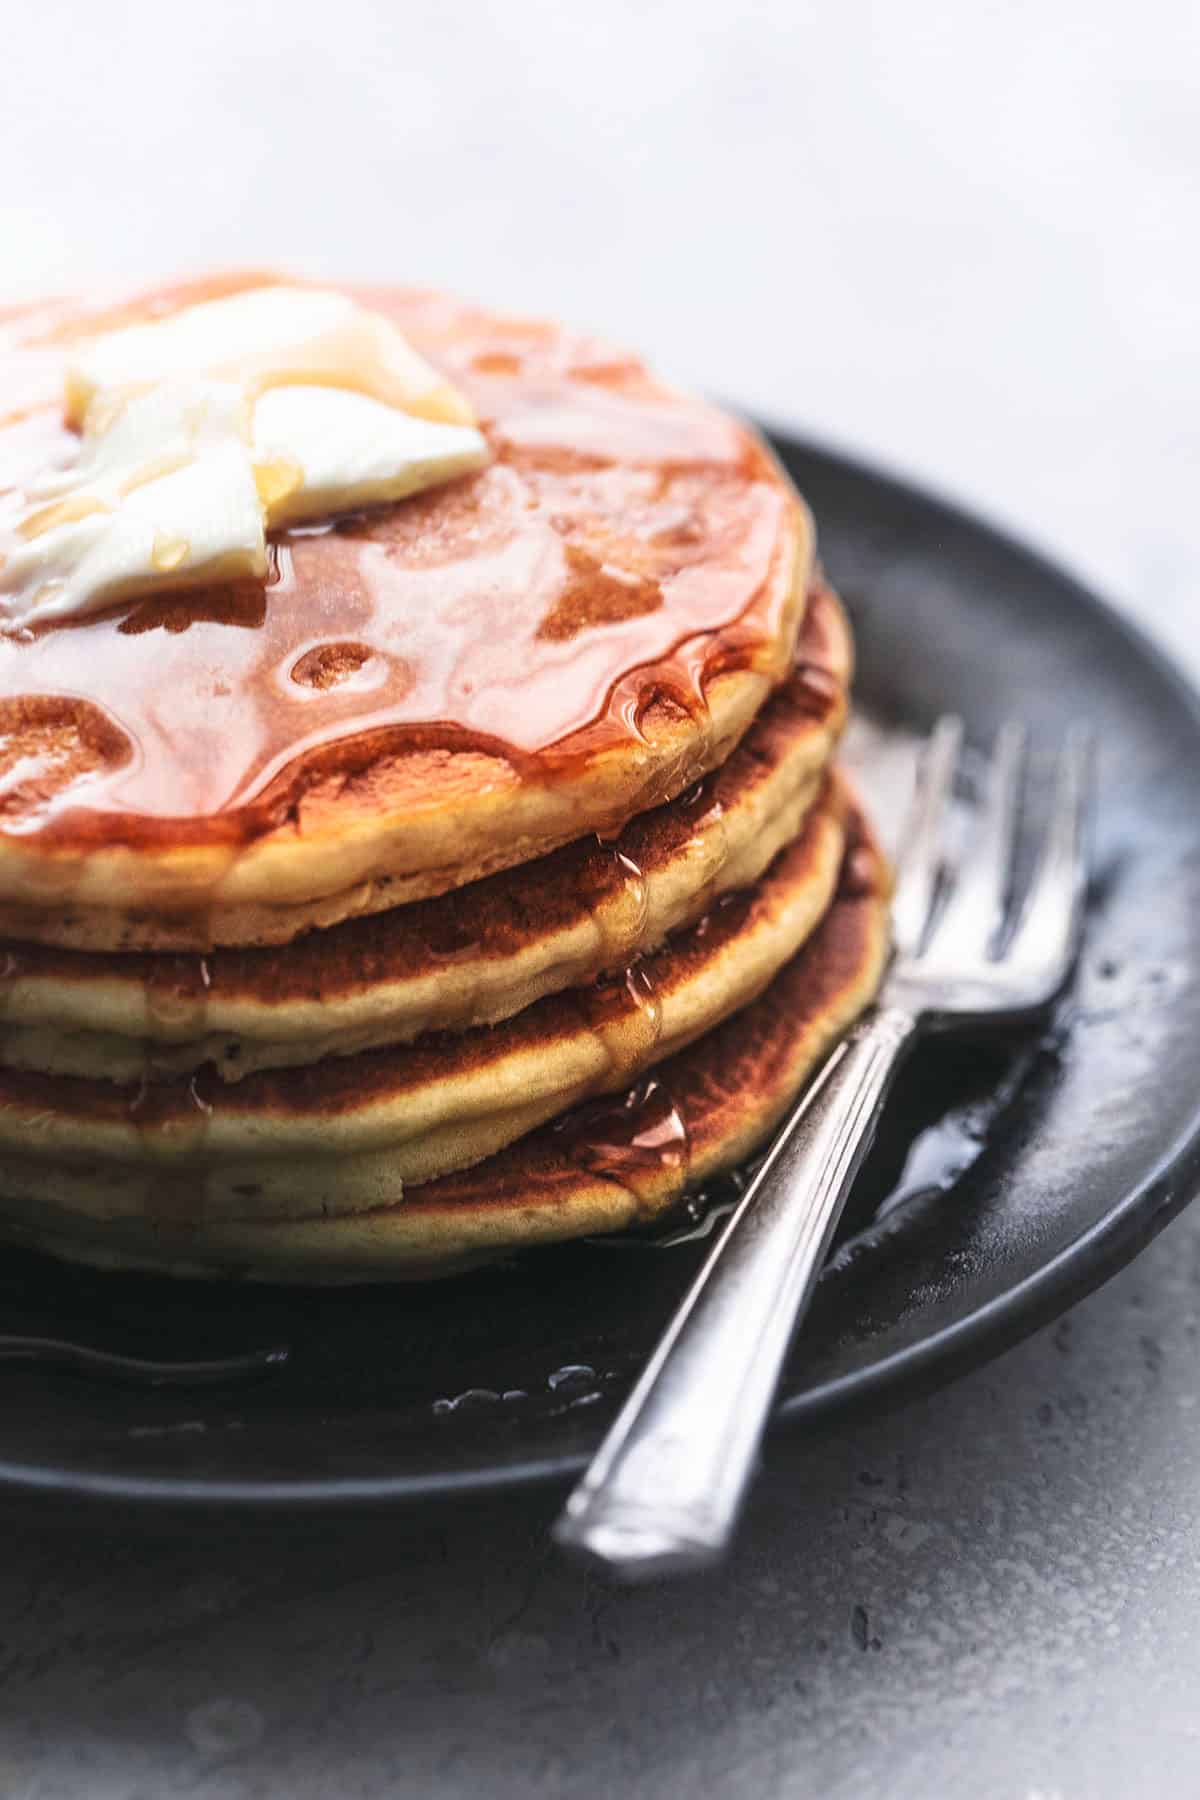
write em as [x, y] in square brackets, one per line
[472, 957]
[420, 696]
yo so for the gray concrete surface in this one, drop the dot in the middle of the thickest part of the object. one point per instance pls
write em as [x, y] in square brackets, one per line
[964, 239]
[992, 1592]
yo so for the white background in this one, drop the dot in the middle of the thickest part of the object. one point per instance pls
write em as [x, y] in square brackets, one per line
[963, 238]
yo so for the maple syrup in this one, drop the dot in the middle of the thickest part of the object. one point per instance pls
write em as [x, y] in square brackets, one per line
[624, 548]
[639, 1139]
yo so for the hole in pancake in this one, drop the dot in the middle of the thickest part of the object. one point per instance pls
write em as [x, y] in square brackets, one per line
[339, 663]
[51, 744]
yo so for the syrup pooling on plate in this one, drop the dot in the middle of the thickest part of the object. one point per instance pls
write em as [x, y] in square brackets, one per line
[617, 530]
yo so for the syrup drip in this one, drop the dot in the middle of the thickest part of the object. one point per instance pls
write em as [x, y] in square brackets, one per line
[636, 894]
[168, 553]
[639, 1139]
[705, 811]
[155, 1114]
[626, 1015]
[612, 886]
[177, 990]
[646, 529]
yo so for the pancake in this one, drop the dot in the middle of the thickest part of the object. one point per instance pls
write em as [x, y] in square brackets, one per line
[418, 697]
[476, 956]
[608, 1168]
[342, 1133]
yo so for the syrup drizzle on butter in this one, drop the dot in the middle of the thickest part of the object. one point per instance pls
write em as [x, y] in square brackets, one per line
[625, 548]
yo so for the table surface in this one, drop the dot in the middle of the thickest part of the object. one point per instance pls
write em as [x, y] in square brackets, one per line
[963, 241]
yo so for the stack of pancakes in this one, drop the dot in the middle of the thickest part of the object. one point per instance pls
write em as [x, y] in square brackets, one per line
[481, 880]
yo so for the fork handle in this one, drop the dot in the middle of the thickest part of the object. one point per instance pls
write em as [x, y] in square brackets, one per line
[664, 1491]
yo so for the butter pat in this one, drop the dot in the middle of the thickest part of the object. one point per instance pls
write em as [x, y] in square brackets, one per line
[204, 429]
[163, 494]
[319, 452]
[266, 338]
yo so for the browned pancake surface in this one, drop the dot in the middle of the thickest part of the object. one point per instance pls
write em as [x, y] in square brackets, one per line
[438, 689]
[605, 1167]
[470, 957]
[398, 1092]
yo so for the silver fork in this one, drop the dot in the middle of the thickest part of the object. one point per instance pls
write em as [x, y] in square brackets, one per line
[664, 1491]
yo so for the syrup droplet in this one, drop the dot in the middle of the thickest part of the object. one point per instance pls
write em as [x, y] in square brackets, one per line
[709, 842]
[155, 1113]
[610, 883]
[169, 552]
[636, 895]
[277, 481]
[571, 1375]
[639, 1139]
[471, 1399]
[625, 1013]
[177, 990]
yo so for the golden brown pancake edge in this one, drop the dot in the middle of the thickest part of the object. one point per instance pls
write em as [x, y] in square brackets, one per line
[732, 1086]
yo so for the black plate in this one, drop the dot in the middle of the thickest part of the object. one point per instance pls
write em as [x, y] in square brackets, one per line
[1072, 1149]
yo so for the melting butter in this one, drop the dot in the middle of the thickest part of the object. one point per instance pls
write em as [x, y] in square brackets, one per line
[264, 338]
[319, 451]
[106, 530]
[204, 430]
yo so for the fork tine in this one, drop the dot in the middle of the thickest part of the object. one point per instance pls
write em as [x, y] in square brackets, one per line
[1044, 944]
[976, 908]
[920, 854]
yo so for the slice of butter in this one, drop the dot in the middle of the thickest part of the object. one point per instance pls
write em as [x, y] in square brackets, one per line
[319, 452]
[265, 338]
[163, 494]
[202, 430]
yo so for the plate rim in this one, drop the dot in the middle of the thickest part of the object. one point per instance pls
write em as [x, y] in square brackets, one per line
[994, 1325]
